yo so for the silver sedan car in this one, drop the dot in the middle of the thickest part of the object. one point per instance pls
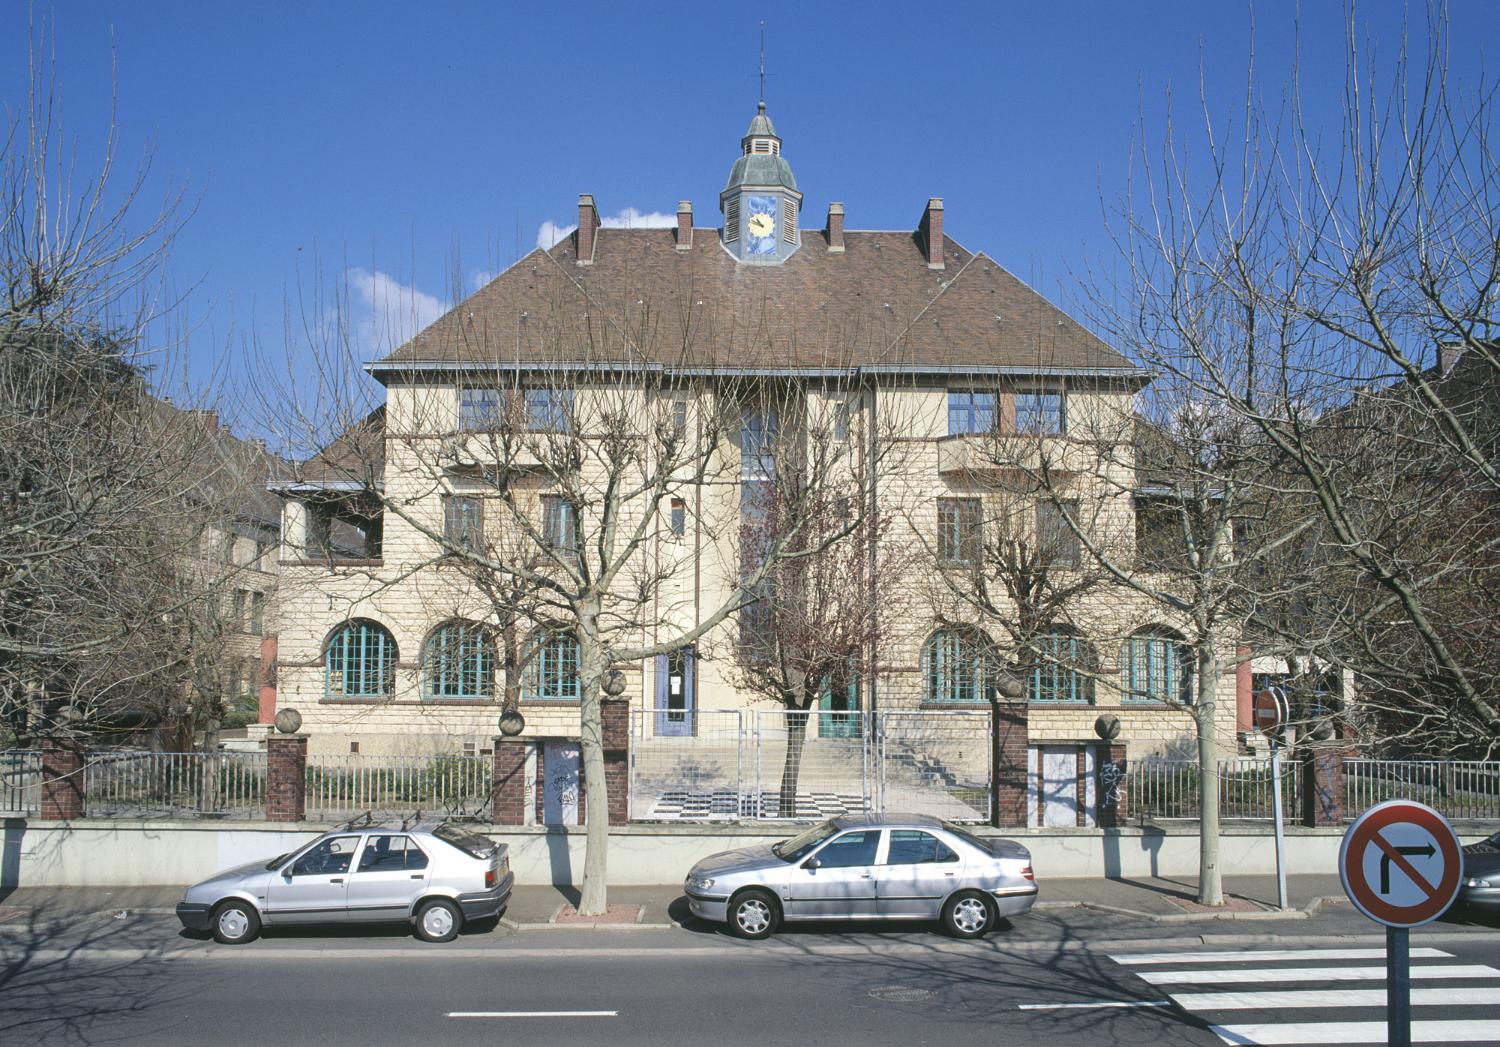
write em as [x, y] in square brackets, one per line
[897, 867]
[437, 877]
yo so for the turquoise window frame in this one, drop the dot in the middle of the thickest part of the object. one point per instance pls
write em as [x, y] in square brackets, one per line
[459, 663]
[1154, 666]
[552, 675]
[360, 661]
[953, 668]
[1055, 678]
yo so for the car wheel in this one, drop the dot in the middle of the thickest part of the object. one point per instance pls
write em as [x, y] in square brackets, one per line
[438, 921]
[968, 914]
[754, 915]
[236, 923]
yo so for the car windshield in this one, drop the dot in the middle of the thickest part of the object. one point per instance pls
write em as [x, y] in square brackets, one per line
[794, 849]
[274, 862]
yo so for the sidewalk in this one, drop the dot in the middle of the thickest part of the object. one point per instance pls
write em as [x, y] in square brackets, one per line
[534, 907]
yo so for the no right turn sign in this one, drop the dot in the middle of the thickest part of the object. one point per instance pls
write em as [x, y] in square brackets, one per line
[1401, 864]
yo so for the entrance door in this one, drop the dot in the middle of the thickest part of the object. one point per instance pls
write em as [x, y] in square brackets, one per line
[560, 763]
[840, 700]
[1059, 785]
[676, 685]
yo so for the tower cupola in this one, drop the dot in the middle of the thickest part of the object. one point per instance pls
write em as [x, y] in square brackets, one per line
[760, 202]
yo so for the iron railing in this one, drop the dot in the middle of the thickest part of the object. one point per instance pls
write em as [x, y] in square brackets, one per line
[441, 785]
[1454, 788]
[1169, 789]
[143, 784]
[20, 781]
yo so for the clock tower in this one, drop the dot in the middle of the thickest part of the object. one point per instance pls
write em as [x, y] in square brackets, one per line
[760, 201]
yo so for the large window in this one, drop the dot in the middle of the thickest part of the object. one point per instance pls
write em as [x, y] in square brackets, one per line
[758, 427]
[953, 667]
[1062, 669]
[552, 668]
[970, 412]
[480, 407]
[1040, 413]
[1156, 665]
[549, 410]
[559, 525]
[959, 530]
[463, 522]
[360, 661]
[459, 662]
[1056, 542]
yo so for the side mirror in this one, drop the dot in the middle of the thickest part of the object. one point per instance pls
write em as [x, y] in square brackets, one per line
[812, 863]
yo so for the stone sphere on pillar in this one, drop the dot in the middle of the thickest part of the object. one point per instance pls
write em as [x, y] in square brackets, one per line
[512, 723]
[614, 683]
[288, 721]
[1107, 727]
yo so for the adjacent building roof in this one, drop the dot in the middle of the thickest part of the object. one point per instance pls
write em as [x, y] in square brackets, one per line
[643, 302]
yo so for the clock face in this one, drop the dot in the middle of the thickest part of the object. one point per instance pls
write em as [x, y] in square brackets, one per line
[760, 226]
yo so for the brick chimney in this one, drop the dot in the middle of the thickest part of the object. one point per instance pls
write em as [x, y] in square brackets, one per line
[835, 228]
[588, 225]
[930, 232]
[684, 225]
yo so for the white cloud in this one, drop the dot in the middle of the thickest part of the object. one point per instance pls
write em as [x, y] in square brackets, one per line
[479, 277]
[384, 312]
[550, 232]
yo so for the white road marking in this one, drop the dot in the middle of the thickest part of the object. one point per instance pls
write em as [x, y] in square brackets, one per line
[1310, 974]
[1087, 1006]
[1245, 1001]
[1135, 959]
[533, 1014]
[1354, 1032]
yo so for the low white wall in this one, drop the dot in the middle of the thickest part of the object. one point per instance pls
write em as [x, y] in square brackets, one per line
[96, 852]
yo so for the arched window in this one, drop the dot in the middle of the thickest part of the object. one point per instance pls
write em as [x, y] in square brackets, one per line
[459, 662]
[953, 667]
[360, 661]
[1062, 667]
[1156, 665]
[552, 668]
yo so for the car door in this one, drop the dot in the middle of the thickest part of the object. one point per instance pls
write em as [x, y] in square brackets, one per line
[919, 872]
[838, 879]
[314, 888]
[391, 873]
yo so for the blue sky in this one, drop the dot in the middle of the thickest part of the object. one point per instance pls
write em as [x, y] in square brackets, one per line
[419, 146]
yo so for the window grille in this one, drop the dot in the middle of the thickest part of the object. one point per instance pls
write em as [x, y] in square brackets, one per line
[959, 530]
[463, 521]
[789, 221]
[1061, 672]
[459, 662]
[1157, 666]
[732, 221]
[360, 661]
[552, 671]
[953, 667]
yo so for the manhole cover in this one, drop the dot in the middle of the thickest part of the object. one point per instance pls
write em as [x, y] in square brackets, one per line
[900, 994]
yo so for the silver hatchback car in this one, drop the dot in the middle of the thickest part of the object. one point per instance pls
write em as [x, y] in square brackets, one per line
[897, 867]
[436, 876]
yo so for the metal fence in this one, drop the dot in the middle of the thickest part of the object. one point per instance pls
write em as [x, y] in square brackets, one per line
[20, 781]
[726, 764]
[1169, 789]
[142, 784]
[345, 786]
[1455, 788]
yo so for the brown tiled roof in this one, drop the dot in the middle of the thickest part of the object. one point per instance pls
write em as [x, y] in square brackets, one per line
[643, 301]
[357, 455]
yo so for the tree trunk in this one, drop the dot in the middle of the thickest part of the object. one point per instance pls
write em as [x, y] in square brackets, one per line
[591, 667]
[1210, 878]
[791, 767]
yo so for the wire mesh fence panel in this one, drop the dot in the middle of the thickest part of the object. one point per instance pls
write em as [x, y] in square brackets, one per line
[20, 781]
[1454, 788]
[454, 786]
[139, 784]
[808, 766]
[935, 763]
[689, 774]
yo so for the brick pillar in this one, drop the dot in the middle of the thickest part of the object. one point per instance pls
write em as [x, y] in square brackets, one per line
[508, 798]
[1114, 808]
[1244, 699]
[267, 696]
[286, 778]
[1323, 786]
[1009, 737]
[616, 715]
[62, 781]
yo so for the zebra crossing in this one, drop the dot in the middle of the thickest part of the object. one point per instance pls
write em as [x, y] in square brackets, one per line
[1315, 996]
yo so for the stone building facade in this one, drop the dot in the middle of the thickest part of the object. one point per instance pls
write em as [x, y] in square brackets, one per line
[942, 375]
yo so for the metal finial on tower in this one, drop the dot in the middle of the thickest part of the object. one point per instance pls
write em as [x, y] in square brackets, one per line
[762, 64]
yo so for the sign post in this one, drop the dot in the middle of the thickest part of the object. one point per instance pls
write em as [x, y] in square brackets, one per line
[1401, 865]
[1270, 716]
